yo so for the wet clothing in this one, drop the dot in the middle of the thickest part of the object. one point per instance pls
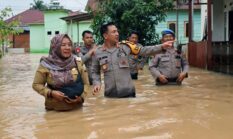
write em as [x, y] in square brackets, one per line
[114, 64]
[57, 72]
[136, 62]
[43, 79]
[86, 58]
[169, 63]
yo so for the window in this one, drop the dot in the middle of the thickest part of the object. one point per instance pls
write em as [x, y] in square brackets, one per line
[186, 29]
[49, 33]
[56, 32]
[172, 26]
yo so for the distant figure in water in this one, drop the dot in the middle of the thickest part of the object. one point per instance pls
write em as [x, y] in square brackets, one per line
[170, 66]
[61, 78]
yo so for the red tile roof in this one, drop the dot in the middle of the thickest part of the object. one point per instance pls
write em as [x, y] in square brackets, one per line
[28, 16]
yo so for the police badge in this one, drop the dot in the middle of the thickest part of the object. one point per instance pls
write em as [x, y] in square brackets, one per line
[105, 67]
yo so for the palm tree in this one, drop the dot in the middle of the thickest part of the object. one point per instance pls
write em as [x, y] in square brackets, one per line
[39, 5]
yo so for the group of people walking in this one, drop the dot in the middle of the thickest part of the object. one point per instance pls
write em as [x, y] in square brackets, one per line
[63, 77]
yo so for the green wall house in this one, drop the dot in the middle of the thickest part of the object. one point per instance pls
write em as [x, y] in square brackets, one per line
[77, 23]
[41, 34]
[171, 22]
[53, 24]
[37, 39]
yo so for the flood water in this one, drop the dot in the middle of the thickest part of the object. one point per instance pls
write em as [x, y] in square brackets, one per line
[199, 109]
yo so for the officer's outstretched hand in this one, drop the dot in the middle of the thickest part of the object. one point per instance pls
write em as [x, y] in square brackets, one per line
[96, 89]
[167, 44]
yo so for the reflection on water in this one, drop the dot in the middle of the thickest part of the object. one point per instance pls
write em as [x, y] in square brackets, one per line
[200, 108]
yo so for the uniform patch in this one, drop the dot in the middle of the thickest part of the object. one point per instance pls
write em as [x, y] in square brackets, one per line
[104, 67]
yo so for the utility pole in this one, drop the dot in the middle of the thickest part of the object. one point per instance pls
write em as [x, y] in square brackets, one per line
[190, 33]
[177, 22]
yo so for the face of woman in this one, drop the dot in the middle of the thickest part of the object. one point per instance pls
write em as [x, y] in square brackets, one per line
[66, 48]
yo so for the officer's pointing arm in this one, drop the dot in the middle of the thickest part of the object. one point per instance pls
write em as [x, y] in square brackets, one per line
[147, 50]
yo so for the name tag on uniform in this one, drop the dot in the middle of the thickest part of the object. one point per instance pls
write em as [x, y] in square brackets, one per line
[165, 59]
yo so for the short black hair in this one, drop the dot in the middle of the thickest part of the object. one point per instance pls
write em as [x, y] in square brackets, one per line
[104, 28]
[133, 32]
[86, 31]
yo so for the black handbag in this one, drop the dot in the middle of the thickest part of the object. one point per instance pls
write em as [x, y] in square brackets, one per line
[74, 89]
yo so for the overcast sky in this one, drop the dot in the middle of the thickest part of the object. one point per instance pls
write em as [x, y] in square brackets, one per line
[21, 5]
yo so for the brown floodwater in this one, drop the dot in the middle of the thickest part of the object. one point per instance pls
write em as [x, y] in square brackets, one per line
[199, 109]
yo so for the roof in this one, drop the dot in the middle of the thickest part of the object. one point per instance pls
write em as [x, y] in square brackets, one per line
[78, 16]
[27, 17]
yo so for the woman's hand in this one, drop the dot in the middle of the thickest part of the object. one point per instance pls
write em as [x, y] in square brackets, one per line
[77, 100]
[58, 95]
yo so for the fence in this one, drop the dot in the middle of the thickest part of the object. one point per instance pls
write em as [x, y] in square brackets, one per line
[222, 57]
[197, 55]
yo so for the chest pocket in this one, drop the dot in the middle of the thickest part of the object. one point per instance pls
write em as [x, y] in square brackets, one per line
[164, 61]
[104, 64]
[123, 62]
[123, 58]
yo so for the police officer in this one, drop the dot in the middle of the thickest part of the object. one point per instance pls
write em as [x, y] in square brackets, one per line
[135, 62]
[170, 66]
[87, 51]
[112, 60]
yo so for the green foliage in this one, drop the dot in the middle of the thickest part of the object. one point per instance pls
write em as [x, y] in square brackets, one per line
[128, 15]
[39, 5]
[9, 28]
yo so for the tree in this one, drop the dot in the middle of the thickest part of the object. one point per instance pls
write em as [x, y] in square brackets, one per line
[138, 15]
[39, 5]
[7, 29]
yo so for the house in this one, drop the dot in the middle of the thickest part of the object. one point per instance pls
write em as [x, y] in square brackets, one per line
[42, 32]
[180, 15]
[216, 52]
[56, 21]
[40, 26]
[77, 22]
[25, 18]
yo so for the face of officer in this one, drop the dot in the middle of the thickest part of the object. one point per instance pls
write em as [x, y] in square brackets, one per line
[133, 38]
[88, 39]
[112, 35]
[168, 37]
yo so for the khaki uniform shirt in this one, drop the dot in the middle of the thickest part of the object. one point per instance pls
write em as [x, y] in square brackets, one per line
[114, 64]
[43, 78]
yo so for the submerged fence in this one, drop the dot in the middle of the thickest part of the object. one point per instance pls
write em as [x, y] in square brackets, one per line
[222, 56]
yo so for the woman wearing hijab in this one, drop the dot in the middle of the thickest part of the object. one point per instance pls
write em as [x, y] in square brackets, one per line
[61, 78]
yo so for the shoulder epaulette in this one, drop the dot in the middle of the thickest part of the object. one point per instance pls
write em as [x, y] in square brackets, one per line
[135, 49]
